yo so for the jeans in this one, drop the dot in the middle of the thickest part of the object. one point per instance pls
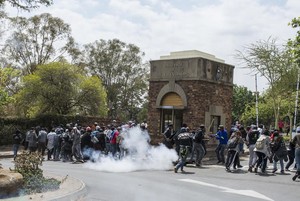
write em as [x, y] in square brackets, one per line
[182, 158]
[231, 158]
[15, 149]
[281, 164]
[198, 149]
[220, 152]
[262, 160]
[252, 155]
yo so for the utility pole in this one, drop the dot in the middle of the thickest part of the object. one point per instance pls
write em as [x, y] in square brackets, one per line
[256, 100]
[296, 104]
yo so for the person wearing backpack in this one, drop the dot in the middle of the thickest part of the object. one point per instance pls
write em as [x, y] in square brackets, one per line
[251, 139]
[262, 150]
[233, 150]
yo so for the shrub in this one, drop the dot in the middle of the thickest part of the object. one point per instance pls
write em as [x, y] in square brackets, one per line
[28, 165]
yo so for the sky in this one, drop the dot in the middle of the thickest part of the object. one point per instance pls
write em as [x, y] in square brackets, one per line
[158, 27]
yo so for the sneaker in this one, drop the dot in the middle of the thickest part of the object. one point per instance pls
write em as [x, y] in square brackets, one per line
[282, 171]
[240, 166]
[227, 169]
[295, 176]
[255, 170]
[175, 170]
[250, 169]
[274, 170]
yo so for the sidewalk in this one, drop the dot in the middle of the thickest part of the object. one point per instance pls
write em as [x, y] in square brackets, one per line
[70, 189]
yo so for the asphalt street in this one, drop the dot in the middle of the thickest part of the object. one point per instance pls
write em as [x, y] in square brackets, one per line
[210, 182]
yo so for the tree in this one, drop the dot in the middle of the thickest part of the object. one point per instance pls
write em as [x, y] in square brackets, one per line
[295, 44]
[270, 61]
[241, 97]
[119, 66]
[59, 88]
[37, 40]
[9, 78]
[26, 5]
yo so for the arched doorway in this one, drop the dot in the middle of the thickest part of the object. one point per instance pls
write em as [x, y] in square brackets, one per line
[171, 111]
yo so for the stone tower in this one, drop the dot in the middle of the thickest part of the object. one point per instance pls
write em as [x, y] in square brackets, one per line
[189, 87]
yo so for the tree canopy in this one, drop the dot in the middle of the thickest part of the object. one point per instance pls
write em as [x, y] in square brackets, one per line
[59, 88]
[271, 61]
[37, 40]
[26, 5]
[119, 66]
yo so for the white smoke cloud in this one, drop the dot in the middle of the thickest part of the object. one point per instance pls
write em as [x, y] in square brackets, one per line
[142, 156]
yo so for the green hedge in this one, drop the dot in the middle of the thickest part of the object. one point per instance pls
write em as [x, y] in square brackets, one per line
[9, 125]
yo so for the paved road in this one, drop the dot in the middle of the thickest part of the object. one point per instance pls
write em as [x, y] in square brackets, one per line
[207, 183]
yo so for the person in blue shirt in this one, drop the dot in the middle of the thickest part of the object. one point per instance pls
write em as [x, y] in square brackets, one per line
[222, 136]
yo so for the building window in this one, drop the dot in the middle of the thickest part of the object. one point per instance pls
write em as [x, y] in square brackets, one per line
[215, 122]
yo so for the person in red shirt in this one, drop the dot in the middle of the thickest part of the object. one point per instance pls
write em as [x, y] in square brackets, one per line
[113, 141]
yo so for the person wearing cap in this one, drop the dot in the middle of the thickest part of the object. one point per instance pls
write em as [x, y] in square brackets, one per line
[222, 136]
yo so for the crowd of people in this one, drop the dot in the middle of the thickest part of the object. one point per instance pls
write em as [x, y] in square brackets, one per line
[75, 143]
[264, 146]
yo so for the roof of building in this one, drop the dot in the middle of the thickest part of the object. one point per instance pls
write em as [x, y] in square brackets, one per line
[191, 54]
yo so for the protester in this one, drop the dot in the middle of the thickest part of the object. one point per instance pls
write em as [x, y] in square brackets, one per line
[222, 136]
[185, 143]
[17, 139]
[262, 150]
[251, 139]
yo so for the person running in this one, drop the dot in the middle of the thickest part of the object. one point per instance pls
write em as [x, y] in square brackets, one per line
[262, 150]
[185, 143]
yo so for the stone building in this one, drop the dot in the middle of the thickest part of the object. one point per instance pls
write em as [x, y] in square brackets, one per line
[189, 87]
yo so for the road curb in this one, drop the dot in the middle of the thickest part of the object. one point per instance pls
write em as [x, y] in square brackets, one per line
[71, 188]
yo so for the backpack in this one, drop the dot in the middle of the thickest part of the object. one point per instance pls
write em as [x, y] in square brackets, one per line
[260, 143]
[232, 143]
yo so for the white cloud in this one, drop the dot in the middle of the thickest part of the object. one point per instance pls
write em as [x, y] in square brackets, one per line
[159, 27]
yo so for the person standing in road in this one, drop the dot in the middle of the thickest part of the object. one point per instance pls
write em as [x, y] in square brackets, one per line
[42, 141]
[51, 142]
[198, 148]
[222, 136]
[17, 139]
[31, 139]
[296, 142]
[251, 139]
[76, 148]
